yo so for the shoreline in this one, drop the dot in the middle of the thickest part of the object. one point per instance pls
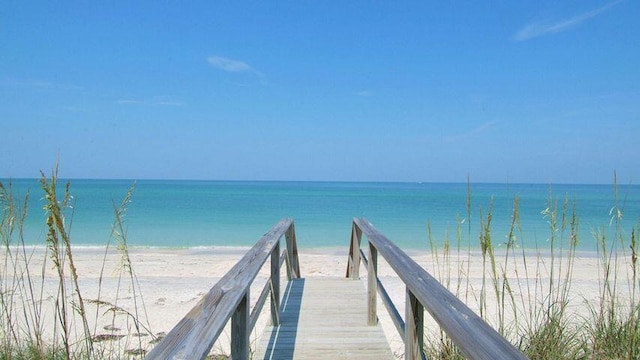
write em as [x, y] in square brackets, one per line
[332, 250]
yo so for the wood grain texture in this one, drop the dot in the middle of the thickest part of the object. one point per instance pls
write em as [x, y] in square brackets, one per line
[372, 285]
[397, 319]
[414, 328]
[324, 318]
[353, 267]
[275, 285]
[195, 334]
[240, 329]
[475, 338]
[292, 251]
[327, 317]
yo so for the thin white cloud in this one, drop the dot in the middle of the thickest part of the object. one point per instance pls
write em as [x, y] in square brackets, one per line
[231, 65]
[156, 101]
[75, 109]
[364, 93]
[40, 85]
[169, 103]
[548, 26]
[129, 102]
[475, 131]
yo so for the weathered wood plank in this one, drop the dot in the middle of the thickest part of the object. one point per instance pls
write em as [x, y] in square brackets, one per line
[292, 252]
[414, 328]
[324, 318]
[475, 338]
[275, 285]
[195, 334]
[353, 269]
[372, 285]
[257, 307]
[240, 329]
[398, 322]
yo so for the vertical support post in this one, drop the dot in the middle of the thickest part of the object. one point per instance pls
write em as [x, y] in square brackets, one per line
[413, 328]
[292, 250]
[275, 285]
[240, 329]
[287, 262]
[353, 271]
[372, 285]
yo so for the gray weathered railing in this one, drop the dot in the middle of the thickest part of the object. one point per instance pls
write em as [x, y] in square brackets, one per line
[195, 334]
[473, 336]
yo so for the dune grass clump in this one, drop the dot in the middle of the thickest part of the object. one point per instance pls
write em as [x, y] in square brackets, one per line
[69, 300]
[527, 295]
[36, 323]
[614, 325]
[22, 309]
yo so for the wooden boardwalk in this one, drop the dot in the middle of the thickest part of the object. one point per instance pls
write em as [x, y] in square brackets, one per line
[324, 318]
[328, 318]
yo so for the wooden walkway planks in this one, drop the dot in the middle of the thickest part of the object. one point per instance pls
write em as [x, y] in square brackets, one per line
[324, 318]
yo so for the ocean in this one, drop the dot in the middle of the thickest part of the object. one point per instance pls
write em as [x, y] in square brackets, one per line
[186, 214]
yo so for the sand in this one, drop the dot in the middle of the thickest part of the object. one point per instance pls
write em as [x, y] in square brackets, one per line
[171, 281]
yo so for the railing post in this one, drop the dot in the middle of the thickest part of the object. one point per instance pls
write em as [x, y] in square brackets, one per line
[353, 271]
[240, 329]
[413, 328]
[372, 284]
[275, 285]
[292, 251]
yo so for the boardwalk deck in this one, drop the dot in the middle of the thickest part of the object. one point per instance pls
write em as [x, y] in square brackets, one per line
[328, 318]
[324, 318]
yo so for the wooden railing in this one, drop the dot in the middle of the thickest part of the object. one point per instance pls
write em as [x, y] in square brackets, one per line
[473, 336]
[195, 334]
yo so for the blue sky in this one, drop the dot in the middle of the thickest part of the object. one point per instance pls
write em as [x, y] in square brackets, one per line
[501, 91]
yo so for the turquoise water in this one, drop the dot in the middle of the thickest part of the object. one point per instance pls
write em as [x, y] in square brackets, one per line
[237, 213]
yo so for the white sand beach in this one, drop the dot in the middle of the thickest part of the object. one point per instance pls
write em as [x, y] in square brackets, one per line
[172, 281]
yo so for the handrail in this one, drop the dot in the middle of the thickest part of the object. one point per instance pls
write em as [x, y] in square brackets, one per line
[473, 336]
[195, 334]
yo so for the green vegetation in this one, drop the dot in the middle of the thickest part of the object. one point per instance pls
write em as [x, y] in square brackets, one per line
[36, 324]
[529, 296]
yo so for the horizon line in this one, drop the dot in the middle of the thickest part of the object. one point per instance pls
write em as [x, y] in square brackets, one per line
[320, 181]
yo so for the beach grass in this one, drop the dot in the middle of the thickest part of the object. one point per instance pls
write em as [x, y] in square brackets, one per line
[527, 294]
[35, 324]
